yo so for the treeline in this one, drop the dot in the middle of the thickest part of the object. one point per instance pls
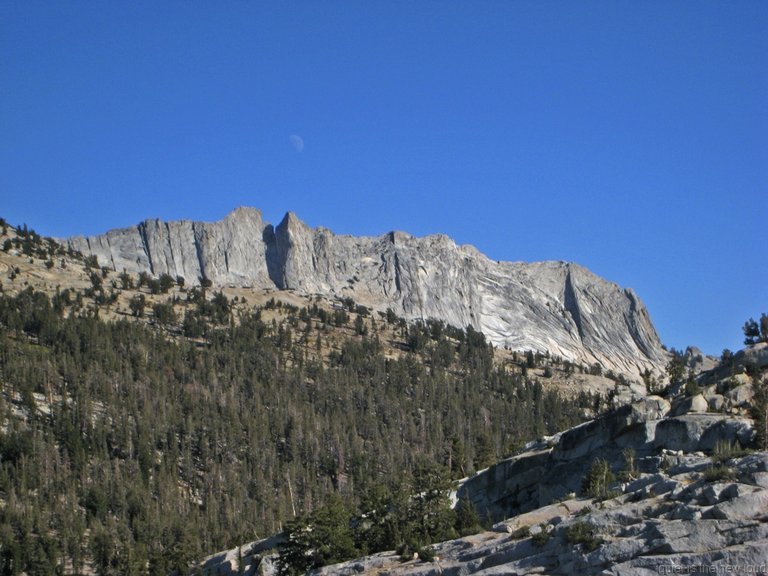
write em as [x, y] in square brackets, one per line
[128, 449]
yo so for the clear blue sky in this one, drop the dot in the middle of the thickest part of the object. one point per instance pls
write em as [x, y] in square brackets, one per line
[630, 137]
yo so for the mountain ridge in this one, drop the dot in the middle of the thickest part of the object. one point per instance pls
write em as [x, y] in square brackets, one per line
[553, 306]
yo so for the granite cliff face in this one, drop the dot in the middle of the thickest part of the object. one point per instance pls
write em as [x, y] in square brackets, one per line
[548, 306]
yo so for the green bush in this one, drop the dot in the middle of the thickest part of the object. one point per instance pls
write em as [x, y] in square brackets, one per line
[597, 482]
[321, 538]
[724, 451]
[164, 313]
[520, 533]
[719, 473]
[467, 518]
[406, 551]
[541, 538]
[630, 471]
[426, 554]
[583, 533]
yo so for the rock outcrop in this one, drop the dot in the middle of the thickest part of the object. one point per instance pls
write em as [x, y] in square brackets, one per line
[557, 307]
[678, 511]
[676, 521]
[550, 469]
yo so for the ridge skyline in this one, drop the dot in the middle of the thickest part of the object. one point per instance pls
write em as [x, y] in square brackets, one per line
[661, 323]
[556, 307]
[527, 131]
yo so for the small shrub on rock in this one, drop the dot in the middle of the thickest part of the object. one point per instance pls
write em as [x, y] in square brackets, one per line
[597, 482]
[467, 518]
[719, 473]
[541, 538]
[406, 551]
[583, 533]
[725, 451]
[630, 471]
[426, 554]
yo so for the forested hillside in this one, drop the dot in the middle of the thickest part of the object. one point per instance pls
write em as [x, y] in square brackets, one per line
[138, 444]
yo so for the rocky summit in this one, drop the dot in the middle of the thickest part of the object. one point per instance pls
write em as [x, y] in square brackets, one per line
[556, 307]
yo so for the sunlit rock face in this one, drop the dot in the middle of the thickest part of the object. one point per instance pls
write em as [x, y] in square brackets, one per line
[557, 307]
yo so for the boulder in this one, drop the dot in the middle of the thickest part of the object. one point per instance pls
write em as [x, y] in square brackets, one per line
[747, 506]
[698, 404]
[740, 396]
[716, 402]
[691, 404]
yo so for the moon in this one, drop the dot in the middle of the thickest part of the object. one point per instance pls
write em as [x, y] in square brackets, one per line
[297, 142]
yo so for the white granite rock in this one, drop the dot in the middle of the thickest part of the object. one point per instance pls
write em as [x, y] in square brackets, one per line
[557, 307]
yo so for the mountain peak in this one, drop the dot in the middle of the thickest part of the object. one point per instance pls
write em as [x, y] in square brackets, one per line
[245, 212]
[556, 307]
[292, 221]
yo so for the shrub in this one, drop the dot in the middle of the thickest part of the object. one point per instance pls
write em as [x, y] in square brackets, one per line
[321, 538]
[584, 511]
[166, 282]
[126, 281]
[193, 326]
[629, 472]
[583, 533]
[541, 538]
[467, 518]
[137, 305]
[406, 551]
[520, 533]
[597, 482]
[759, 412]
[426, 554]
[719, 473]
[724, 451]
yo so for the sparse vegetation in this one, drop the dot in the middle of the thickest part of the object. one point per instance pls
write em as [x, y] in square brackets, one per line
[597, 483]
[520, 533]
[583, 533]
[630, 471]
[719, 473]
[725, 450]
[541, 537]
[426, 554]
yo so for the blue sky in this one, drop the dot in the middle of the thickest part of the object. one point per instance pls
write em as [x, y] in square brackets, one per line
[630, 137]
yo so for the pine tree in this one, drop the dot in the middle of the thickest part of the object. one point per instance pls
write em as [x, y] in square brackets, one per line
[323, 537]
[598, 480]
[467, 518]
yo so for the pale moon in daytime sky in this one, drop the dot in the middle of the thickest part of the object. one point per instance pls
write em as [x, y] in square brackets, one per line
[297, 142]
